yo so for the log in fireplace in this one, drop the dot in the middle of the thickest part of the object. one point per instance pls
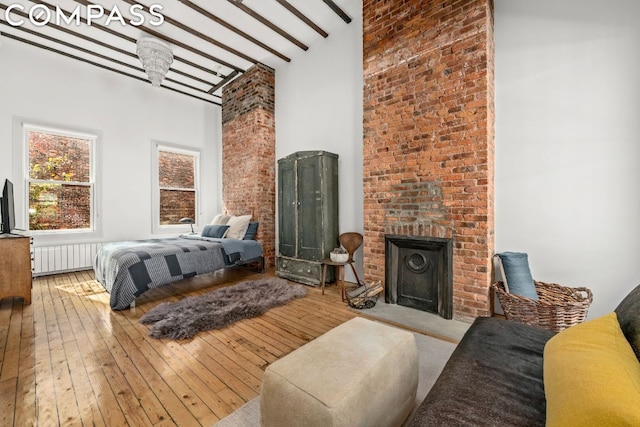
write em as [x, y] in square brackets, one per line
[419, 273]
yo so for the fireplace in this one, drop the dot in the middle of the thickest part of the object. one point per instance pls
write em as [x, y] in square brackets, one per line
[419, 273]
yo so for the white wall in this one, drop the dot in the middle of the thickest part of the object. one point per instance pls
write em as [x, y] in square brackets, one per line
[568, 142]
[128, 114]
[319, 107]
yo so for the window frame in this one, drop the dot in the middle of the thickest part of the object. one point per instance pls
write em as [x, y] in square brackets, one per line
[22, 178]
[156, 147]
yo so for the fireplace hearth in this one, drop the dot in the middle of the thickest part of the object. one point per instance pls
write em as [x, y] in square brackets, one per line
[419, 273]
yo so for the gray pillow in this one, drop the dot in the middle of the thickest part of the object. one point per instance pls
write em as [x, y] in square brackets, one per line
[628, 313]
[517, 275]
[216, 231]
[252, 230]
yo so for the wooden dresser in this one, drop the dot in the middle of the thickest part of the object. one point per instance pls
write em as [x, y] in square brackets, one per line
[15, 266]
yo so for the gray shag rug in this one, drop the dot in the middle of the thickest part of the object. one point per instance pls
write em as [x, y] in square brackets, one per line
[219, 308]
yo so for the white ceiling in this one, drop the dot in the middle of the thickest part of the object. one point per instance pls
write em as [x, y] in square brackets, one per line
[210, 39]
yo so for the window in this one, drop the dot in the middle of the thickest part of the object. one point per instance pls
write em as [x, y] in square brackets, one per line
[60, 179]
[177, 184]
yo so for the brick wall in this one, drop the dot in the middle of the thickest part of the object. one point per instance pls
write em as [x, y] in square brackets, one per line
[429, 135]
[248, 151]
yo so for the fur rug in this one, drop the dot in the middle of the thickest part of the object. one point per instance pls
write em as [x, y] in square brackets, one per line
[219, 308]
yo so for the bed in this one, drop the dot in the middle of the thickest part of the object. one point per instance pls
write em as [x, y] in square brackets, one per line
[128, 269]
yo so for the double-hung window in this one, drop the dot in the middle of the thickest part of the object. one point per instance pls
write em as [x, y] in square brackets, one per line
[176, 182]
[61, 182]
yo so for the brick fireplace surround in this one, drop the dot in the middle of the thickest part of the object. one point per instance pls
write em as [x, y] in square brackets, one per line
[428, 138]
[429, 135]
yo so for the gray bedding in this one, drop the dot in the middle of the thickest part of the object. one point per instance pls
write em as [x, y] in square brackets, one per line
[128, 269]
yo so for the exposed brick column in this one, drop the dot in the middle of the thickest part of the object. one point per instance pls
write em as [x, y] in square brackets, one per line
[248, 151]
[429, 135]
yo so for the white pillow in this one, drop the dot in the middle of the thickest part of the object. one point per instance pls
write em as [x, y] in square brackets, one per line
[238, 226]
[220, 219]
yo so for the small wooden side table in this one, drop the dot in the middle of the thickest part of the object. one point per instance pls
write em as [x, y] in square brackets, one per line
[339, 274]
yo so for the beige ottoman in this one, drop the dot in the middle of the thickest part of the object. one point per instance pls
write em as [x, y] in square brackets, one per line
[361, 373]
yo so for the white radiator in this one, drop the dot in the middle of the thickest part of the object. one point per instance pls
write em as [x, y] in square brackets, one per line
[61, 258]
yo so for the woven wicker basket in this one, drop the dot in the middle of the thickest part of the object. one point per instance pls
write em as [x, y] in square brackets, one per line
[558, 307]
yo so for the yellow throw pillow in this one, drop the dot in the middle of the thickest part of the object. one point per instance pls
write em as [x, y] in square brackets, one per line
[592, 376]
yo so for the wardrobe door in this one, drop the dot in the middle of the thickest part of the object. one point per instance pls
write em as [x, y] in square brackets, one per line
[309, 209]
[287, 207]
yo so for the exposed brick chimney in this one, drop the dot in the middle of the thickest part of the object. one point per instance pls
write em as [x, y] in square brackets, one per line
[248, 151]
[429, 135]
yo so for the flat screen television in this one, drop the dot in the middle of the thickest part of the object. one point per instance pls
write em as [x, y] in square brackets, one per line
[8, 210]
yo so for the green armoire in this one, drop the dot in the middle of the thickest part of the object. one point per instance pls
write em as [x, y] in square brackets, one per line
[307, 214]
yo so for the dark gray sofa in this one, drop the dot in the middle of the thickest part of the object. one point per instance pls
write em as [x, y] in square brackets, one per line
[495, 378]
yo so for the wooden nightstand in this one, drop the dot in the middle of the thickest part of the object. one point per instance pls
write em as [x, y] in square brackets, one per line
[15, 266]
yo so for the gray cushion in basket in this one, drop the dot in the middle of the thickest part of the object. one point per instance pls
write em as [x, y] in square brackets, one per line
[518, 277]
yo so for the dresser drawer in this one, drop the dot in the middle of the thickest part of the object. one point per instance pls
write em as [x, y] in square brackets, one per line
[303, 271]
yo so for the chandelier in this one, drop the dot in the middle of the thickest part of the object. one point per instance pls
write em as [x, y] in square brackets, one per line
[156, 58]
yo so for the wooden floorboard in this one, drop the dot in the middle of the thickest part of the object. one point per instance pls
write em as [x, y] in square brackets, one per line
[68, 359]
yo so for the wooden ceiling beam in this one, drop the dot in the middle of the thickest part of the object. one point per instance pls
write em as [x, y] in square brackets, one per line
[341, 13]
[230, 27]
[264, 21]
[222, 82]
[301, 16]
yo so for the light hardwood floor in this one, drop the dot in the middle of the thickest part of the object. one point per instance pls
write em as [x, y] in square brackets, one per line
[68, 359]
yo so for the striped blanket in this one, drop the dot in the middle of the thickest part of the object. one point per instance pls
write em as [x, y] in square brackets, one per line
[128, 269]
